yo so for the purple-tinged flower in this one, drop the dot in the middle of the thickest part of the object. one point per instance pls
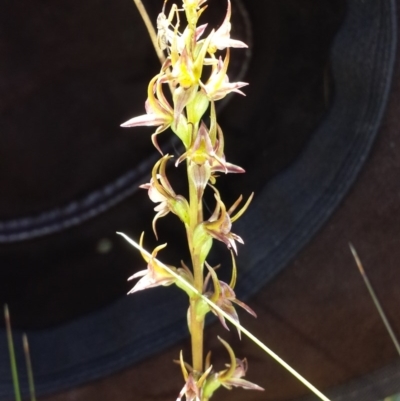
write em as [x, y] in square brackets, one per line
[230, 377]
[219, 163]
[201, 149]
[155, 274]
[159, 112]
[186, 67]
[178, 43]
[192, 390]
[221, 38]
[160, 191]
[183, 70]
[218, 85]
[206, 157]
[224, 296]
[220, 223]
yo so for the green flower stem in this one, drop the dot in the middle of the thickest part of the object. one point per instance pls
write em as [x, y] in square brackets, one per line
[197, 330]
[196, 323]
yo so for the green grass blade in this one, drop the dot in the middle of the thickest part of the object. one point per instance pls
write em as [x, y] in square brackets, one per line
[237, 325]
[13, 363]
[150, 29]
[29, 370]
[375, 300]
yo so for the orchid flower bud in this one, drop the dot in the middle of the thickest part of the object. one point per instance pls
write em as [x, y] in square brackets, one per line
[202, 242]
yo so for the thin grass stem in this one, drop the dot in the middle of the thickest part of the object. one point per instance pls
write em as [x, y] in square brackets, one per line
[150, 29]
[375, 299]
[13, 362]
[237, 325]
[29, 369]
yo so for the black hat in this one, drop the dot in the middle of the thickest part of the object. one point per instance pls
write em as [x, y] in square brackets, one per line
[321, 76]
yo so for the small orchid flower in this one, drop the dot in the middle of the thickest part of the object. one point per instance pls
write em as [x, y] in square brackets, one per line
[218, 85]
[221, 38]
[220, 223]
[201, 149]
[206, 159]
[159, 112]
[182, 71]
[160, 191]
[181, 39]
[230, 377]
[192, 390]
[155, 274]
[186, 72]
[188, 67]
[223, 296]
[219, 163]
[200, 154]
[185, 83]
